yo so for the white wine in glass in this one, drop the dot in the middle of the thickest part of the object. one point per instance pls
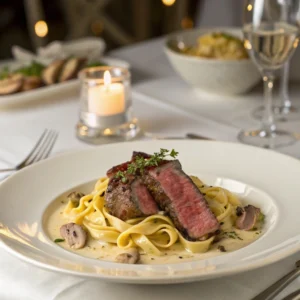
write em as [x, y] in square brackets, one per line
[270, 41]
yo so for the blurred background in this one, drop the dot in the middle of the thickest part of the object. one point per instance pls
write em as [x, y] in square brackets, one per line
[34, 23]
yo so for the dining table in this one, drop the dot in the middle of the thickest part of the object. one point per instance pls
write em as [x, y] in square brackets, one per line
[165, 106]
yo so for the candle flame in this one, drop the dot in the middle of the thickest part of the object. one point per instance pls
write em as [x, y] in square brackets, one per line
[107, 79]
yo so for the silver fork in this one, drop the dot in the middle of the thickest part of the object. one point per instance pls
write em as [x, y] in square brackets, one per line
[41, 150]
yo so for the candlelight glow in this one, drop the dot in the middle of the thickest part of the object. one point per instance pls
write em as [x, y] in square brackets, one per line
[41, 28]
[249, 7]
[107, 79]
[168, 2]
[247, 45]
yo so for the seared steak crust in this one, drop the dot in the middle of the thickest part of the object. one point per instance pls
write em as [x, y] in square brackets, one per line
[167, 187]
[129, 200]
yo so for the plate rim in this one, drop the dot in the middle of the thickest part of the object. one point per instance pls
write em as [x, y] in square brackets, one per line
[235, 269]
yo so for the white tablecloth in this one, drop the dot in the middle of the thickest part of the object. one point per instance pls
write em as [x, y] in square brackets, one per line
[165, 106]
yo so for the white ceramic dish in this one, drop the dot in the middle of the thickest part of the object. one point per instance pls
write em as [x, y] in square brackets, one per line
[211, 75]
[44, 92]
[264, 178]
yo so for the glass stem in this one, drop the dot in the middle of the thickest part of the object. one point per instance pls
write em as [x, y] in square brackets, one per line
[284, 82]
[268, 118]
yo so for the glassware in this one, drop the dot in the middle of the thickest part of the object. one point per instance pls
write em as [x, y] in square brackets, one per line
[270, 40]
[286, 111]
[106, 106]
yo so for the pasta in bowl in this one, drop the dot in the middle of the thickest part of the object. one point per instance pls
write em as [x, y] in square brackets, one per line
[95, 229]
[217, 45]
[212, 60]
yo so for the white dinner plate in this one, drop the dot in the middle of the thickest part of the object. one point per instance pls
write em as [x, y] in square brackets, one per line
[49, 91]
[265, 178]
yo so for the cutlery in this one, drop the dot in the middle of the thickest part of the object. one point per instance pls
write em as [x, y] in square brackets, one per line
[279, 285]
[191, 136]
[293, 296]
[41, 150]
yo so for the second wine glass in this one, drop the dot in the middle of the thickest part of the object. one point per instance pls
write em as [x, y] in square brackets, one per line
[270, 40]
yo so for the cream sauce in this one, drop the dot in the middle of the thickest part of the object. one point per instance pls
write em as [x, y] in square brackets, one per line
[105, 251]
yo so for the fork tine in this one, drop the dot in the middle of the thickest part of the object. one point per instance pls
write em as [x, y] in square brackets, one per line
[51, 145]
[43, 148]
[38, 143]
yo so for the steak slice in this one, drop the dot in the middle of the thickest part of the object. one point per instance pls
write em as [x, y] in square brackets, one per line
[129, 200]
[176, 194]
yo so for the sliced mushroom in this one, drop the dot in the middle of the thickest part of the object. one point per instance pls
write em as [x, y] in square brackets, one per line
[31, 82]
[11, 85]
[51, 72]
[71, 68]
[132, 256]
[74, 234]
[248, 217]
[75, 197]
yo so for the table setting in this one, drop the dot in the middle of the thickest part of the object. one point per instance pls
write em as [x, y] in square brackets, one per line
[223, 101]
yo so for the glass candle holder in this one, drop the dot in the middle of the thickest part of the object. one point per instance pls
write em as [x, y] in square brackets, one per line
[106, 106]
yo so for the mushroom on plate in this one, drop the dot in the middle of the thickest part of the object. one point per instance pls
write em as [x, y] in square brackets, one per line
[31, 82]
[51, 73]
[12, 84]
[74, 235]
[248, 216]
[71, 68]
[131, 256]
[75, 197]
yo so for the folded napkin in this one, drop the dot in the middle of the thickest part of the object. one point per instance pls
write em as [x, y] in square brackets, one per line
[91, 48]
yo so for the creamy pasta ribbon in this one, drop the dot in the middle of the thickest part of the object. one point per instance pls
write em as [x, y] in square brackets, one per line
[154, 233]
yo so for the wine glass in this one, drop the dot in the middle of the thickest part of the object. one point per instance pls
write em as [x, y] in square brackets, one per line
[270, 39]
[284, 111]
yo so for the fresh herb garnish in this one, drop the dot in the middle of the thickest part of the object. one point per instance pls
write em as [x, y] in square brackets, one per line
[58, 240]
[261, 217]
[121, 175]
[4, 73]
[34, 69]
[140, 163]
[232, 235]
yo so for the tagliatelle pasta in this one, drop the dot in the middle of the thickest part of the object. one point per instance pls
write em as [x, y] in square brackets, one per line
[152, 234]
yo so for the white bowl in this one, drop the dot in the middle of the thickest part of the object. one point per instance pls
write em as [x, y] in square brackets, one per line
[211, 75]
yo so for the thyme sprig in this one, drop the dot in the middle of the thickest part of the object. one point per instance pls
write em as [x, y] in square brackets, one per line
[140, 163]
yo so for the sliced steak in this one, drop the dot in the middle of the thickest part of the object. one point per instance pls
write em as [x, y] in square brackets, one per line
[129, 200]
[165, 186]
[176, 194]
